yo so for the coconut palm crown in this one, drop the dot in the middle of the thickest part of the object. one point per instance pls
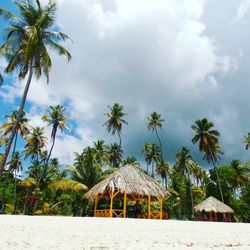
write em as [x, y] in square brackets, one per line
[115, 120]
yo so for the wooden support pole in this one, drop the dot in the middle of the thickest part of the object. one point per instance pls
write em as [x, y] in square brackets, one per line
[96, 200]
[160, 201]
[111, 205]
[216, 216]
[125, 205]
[211, 218]
[149, 206]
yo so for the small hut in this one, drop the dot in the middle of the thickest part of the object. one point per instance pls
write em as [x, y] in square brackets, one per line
[127, 183]
[213, 207]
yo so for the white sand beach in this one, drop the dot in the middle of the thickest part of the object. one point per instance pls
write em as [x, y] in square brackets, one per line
[31, 232]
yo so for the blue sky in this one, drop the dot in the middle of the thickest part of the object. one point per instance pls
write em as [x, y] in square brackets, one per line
[186, 59]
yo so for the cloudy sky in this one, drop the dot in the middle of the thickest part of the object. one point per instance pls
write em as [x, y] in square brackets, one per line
[186, 59]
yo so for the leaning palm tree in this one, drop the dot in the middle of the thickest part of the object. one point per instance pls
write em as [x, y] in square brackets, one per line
[57, 118]
[25, 48]
[155, 122]
[186, 165]
[115, 120]
[247, 141]
[207, 139]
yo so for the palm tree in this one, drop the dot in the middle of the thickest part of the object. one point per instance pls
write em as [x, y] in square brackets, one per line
[1, 80]
[131, 160]
[101, 151]
[154, 122]
[247, 141]
[146, 151]
[86, 169]
[199, 174]
[57, 118]
[208, 139]
[242, 172]
[35, 144]
[154, 157]
[163, 169]
[23, 127]
[115, 120]
[186, 165]
[115, 155]
[25, 48]
[15, 166]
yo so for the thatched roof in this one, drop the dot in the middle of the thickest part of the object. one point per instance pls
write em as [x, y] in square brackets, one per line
[129, 180]
[212, 204]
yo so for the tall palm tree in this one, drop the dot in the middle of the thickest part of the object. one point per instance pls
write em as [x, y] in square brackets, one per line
[35, 144]
[25, 48]
[186, 165]
[57, 118]
[115, 155]
[115, 120]
[23, 127]
[208, 140]
[155, 122]
[247, 141]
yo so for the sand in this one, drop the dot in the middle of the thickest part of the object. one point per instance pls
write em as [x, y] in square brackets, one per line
[31, 232]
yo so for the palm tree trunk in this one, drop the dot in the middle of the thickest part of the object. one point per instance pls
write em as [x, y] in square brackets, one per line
[218, 180]
[50, 152]
[120, 139]
[14, 210]
[217, 175]
[20, 112]
[153, 169]
[159, 144]
[191, 196]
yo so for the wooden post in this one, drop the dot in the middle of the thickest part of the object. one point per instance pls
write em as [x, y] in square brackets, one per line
[211, 218]
[96, 200]
[216, 217]
[124, 205]
[111, 205]
[160, 201]
[149, 206]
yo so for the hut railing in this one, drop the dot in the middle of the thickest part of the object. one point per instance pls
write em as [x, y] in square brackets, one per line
[106, 213]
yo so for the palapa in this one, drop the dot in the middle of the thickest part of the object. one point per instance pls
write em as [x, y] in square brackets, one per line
[130, 180]
[214, 205]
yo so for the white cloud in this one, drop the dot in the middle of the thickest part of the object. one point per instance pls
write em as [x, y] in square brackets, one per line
[243, 10]
[147, 55]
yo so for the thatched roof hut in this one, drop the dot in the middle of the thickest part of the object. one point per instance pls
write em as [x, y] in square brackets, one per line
[130, 180]
[214, 205]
